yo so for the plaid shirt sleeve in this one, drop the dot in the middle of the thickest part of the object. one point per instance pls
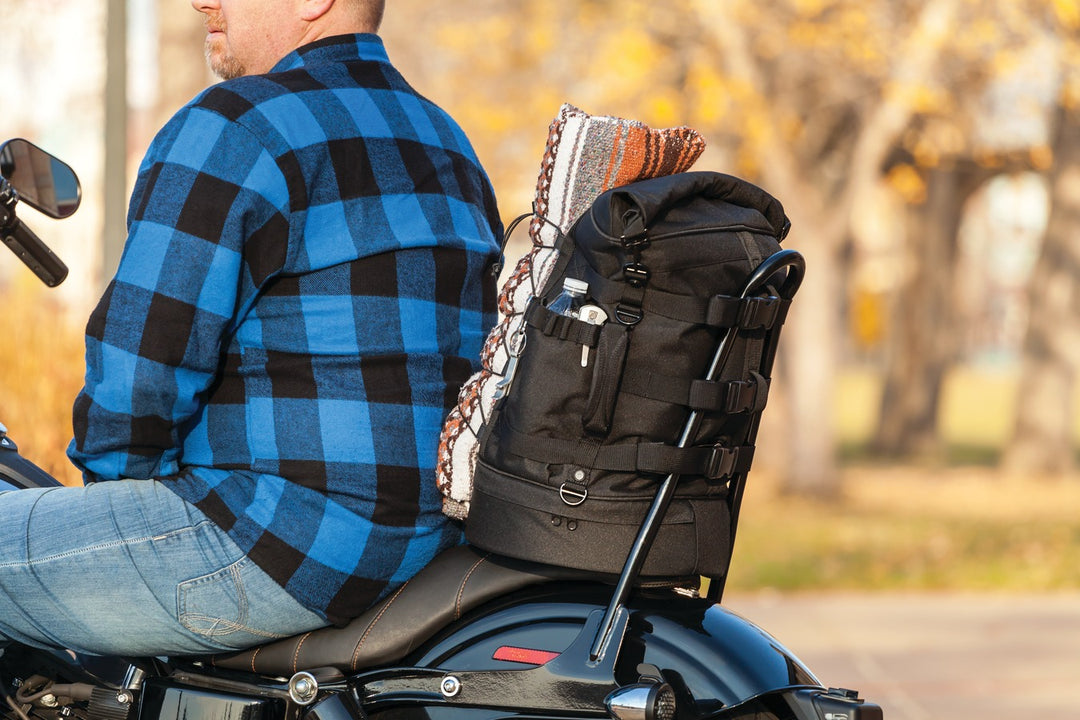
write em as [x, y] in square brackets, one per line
[154, 342]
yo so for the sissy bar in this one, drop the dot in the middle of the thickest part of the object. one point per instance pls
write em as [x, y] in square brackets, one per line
[783, 270]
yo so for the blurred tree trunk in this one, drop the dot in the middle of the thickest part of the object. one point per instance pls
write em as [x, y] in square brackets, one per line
[820, 191]
[1043, 440]
[923, 343]
[117, 123]
[182, 67]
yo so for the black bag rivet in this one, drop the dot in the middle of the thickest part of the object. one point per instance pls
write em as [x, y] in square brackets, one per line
[556, 520]
[572, 525]
[571, 495]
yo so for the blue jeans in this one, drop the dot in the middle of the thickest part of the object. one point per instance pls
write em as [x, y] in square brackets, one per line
[129, 568]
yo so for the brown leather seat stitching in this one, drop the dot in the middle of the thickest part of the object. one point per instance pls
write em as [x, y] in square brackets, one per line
[364, 637]
[253, 656]
[296, 652]
[464, 582]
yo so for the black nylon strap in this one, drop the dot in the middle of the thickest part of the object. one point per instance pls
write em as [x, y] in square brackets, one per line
[714, 462]
[763, 312]
[561, 326]
[720, 311]
[751, 313]
[727, 396]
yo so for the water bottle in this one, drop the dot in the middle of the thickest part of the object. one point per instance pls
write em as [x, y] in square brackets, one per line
[571, 298]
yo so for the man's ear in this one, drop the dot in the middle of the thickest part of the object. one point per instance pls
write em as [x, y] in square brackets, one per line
[314, 9]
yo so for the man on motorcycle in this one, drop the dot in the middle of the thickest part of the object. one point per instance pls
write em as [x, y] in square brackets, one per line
[307, 280]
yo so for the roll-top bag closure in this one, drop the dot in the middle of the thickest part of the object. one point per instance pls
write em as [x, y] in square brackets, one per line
[630, 211]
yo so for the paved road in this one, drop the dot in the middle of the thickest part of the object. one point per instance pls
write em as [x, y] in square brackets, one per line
[968, 657]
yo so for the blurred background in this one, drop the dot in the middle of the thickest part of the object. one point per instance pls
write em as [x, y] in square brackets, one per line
[922, 433]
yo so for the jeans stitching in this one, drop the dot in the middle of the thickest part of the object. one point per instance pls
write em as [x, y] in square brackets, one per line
[219, 626]
[102, 546]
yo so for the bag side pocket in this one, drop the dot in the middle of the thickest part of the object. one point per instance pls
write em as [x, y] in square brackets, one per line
[606, 376]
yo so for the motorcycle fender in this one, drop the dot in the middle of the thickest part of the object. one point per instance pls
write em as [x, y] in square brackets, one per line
[712, 657]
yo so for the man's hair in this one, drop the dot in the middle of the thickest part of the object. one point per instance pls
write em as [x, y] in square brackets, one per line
[370, 12]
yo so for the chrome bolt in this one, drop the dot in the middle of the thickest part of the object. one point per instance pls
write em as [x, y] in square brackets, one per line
[303, 688]
[450, 686]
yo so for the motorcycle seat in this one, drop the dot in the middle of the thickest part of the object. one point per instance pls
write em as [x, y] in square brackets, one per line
[455, 582]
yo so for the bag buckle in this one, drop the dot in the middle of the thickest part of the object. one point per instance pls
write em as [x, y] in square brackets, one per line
[636, 274]
[721, 462]
[740, 396]
[759, 312]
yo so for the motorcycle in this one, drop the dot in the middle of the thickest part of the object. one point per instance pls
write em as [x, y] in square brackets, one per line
[472, 637]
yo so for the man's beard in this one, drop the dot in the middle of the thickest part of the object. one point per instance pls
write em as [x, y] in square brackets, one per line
[222, 63]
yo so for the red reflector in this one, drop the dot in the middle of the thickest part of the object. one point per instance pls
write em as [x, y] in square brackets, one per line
[524, 655]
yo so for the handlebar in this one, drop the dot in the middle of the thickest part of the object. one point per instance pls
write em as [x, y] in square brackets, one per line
[37, 256]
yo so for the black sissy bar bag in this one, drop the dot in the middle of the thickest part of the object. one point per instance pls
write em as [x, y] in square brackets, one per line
[575, 449]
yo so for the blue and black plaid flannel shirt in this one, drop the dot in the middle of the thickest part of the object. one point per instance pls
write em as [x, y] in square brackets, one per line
[308, 279]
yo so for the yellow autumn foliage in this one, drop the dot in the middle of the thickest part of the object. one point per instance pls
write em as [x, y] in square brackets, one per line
[908, 183]
[42, 368]
[1068, 12]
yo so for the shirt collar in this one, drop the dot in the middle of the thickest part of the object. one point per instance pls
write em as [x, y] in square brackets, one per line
[339, 48]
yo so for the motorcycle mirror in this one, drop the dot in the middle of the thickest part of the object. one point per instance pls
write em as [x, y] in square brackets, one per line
[42, 181]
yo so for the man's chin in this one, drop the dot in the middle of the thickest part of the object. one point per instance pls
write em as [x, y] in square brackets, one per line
[223, 64]
[226, 67]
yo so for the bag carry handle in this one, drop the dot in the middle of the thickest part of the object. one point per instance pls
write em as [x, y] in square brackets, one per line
[636, 206]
